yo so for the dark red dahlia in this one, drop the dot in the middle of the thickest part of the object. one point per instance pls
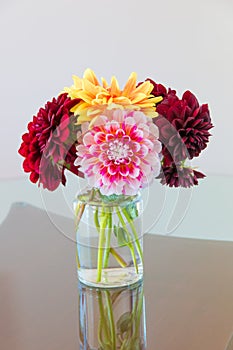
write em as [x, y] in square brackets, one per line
[160, 90]
[48, 146]
[174, 148]
[177, 175]
[184, 132]
[197, 123]
[183, 125]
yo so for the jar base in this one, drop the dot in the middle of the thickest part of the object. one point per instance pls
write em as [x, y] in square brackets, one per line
[111, 277]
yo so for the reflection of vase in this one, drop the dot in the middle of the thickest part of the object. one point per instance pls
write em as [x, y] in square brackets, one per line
[112, 319]
[109, 239]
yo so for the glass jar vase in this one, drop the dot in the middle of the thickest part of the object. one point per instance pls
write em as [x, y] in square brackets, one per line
[109, 238]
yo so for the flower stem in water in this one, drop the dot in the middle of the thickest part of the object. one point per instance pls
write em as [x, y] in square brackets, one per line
[129, 243]
[103, 223]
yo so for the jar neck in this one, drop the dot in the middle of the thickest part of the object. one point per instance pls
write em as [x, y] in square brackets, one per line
[93, 196]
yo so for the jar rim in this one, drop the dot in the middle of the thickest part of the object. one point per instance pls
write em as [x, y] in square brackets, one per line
[93, 196]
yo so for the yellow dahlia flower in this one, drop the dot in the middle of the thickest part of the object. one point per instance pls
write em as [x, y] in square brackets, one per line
[96, 98]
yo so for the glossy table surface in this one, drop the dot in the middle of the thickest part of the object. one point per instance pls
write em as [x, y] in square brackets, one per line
[188, 287]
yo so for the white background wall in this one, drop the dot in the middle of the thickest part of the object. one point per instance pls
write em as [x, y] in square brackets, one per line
[183, 44]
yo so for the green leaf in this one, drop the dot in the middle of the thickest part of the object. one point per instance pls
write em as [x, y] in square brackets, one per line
[124, 322]
[121, 235]
[132, 210]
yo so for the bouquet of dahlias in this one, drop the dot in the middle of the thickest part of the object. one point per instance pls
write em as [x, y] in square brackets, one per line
[119, 141]
[142, 131]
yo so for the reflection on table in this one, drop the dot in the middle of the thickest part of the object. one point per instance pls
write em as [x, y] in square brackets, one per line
[111, 319]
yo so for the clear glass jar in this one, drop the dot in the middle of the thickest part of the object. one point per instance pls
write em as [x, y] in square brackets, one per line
[109, 237]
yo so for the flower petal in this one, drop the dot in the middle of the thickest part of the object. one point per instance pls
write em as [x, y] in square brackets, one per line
[100, 137]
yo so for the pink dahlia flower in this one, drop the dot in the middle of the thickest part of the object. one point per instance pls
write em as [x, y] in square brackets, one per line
[120, 153]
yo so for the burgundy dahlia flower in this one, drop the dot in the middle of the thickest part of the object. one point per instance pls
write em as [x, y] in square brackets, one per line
[177, 175]
[160, 90]
[48, 145]
[183, 124]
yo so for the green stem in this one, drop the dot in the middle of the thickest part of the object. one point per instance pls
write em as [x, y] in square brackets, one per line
[137, 243]
[79, 210]
[111, 320]
[108, 240]
[103, 223]
[77, 259]
[96, 219]
[131, 339]
[118, 258]
[129, 244]
[137, 312]
[103, 324]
